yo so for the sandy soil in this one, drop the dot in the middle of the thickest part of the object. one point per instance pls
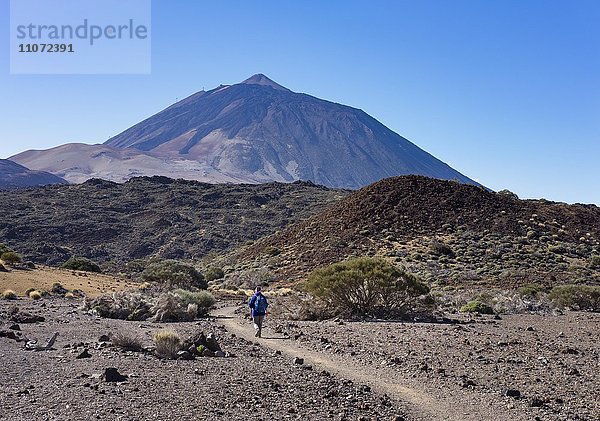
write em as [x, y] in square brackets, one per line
[43, 277]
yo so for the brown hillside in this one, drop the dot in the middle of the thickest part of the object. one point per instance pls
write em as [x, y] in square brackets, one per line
[443, 230]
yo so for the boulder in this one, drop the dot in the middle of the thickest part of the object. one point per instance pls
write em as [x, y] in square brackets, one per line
[184, 355]
[211, 343]
[84, 354]
[111, 374]
[23, 317]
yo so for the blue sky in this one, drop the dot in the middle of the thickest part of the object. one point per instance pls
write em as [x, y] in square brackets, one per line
[507, 92]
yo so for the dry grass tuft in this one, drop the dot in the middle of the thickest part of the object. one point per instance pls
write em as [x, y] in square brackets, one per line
[127, 342]
[35, 295]
[9, 294]
[168, 344]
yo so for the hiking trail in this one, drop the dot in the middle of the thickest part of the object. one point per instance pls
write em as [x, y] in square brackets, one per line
[421, 404]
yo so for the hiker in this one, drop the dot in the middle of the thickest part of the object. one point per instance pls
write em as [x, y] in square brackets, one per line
[258, 307]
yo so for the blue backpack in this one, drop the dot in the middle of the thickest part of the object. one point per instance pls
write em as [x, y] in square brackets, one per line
[260, 305]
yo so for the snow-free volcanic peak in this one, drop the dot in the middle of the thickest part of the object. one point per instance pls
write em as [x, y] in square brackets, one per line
[260, 79]
[251, 132]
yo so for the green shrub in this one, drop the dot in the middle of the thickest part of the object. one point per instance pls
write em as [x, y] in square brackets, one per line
[477, 306]
[366, 287]
[531, 290]
[58, 289]
[576, 297]
[9, 294]
[440, 249]
[272, 251]
[4, 248]
[35, 295]
[10, 257]
[81, 263]
[168, 344]
[135, 266]
[508, 193]
[172, 273]
[594, 262]
[558, 249]
[203, 300]
[213, 274]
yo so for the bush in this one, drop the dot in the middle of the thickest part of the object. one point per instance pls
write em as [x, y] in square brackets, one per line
[35, 295]
[272, 251]
[440, 249]
[81, 263]
[29, 291]
[477, 306]
[9, 294]
[531, 290]
[175, 306]
[4, 248]
[557, 249]
[10, 257]
[172, 273]
[169, 307]
[204, 300]
[168, 344]
[508, 193]
[58, 289]
[576, 297]
[594, 262]
[127, 342]
[121, 305]
[213, 274]
[366, 287]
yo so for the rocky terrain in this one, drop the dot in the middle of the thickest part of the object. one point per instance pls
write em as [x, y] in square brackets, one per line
[13, 176]
[517, 367]
[149, 217]
[253, 382]
[448, 233]
[255, 131]
[534, 367]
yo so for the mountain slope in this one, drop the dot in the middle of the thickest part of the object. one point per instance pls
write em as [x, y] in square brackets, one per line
[444, 231]
[13, 175]
[145, 217]
[78, 162]
[259, 131]
[263, 131]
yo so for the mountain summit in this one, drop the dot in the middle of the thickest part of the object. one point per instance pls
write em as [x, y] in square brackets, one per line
[254, 131]
[260, 79]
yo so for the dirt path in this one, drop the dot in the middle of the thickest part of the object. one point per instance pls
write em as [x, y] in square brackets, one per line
[422, 404]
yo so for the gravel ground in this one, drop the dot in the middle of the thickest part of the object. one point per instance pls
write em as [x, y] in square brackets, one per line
[552, 361]
[256, 382]
[352, 370]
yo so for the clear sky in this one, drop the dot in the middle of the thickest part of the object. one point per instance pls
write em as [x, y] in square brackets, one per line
[507, 92]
